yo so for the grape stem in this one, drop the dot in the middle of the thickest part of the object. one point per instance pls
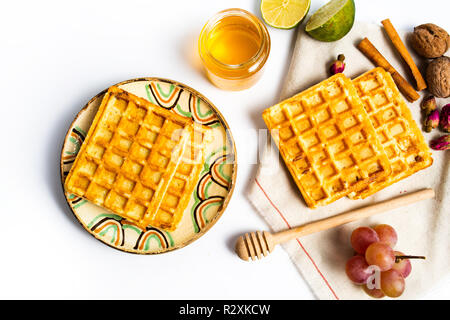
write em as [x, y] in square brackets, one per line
[398, 258]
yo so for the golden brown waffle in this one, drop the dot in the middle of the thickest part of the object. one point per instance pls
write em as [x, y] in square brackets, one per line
[402, 140]
[327, 141]
[139, 160]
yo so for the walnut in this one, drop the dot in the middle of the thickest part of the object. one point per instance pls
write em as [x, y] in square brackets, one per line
[430, 41]
[438, 77]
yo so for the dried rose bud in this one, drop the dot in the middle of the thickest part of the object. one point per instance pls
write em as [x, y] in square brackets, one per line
[428, 105]
[338, 66]
[442, 143]
[444, 120]
[431, 121]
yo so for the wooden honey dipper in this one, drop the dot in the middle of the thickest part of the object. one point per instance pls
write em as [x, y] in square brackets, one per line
[254, 245]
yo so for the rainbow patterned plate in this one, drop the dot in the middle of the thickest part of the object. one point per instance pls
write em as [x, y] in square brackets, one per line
[210, 197]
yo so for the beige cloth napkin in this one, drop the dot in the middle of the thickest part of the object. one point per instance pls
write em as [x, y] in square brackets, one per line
[423, 228]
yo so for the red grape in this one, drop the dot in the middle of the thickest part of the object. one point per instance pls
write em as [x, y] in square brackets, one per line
[392, 283]
[356, 269]
[363, 237]
[374, 293]
[403, 266]
[386, 234]
[381, 255]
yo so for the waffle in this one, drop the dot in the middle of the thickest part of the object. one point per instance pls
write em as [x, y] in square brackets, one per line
[402, 140]
[139, 160]
[327, 141]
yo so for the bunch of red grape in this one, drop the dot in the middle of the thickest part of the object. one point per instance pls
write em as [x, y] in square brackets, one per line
[376, 266]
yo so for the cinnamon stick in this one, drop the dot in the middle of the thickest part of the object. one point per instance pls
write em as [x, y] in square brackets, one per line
[403, 51]
[369, 50]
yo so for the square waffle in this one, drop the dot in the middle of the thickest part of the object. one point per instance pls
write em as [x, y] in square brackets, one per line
[402, 140]
[327, 141]
[139, 160]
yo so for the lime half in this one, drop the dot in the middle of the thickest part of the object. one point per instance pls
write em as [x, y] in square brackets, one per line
[332, 21]
[284, 14]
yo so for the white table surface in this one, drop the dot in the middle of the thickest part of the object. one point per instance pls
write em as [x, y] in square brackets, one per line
[56, 55]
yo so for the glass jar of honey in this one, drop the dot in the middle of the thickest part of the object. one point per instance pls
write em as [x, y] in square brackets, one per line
[234, 46]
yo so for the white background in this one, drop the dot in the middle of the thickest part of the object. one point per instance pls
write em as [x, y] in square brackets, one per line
[56, 55]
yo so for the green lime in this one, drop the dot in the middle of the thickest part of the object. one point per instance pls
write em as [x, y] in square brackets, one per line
[332, 21]
[284, 14]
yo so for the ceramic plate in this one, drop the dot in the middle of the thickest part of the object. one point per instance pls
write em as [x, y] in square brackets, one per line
[210, 197]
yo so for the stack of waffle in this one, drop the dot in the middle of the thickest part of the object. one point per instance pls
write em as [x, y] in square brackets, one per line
[139, 161]
[347, 138]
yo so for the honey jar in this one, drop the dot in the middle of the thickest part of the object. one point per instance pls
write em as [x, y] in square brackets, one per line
[234, 46]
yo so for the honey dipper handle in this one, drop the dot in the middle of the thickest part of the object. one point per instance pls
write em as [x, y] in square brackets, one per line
[352, 215]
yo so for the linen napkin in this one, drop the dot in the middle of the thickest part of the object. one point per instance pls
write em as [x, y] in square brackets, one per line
[423, 228]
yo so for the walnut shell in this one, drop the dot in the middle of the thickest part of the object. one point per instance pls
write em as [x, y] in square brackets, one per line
[430, 41]
[438, 77]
